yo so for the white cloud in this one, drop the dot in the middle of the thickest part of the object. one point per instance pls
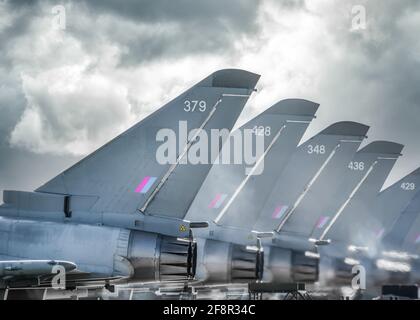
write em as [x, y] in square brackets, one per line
[79, 94]
[71, 112]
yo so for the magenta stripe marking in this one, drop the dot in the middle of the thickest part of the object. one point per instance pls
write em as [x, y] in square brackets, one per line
[142, 184]
[417, 240]
[279, 211]
[218, 200]
[219, 203]
[215, 200]
[322, 221]
[379, 233]
[148, 185]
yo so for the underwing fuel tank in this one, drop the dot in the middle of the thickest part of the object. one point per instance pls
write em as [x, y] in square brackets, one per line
[225, 262]
[290, 266]
[100, 251]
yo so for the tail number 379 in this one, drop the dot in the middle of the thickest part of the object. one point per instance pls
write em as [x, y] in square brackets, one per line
[195, 105]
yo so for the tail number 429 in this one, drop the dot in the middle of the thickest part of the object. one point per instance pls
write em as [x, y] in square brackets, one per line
[408, 186]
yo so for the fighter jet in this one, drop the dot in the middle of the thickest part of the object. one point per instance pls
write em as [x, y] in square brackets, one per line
[410, 244]
[400, 251]
[235, 219]
[118, 214]
[384, 210]
[226, 259]
[402, 232]
[390, 204]
[301, 180]
[348, 233]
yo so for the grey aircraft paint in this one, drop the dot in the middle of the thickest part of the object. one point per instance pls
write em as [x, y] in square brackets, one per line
[281, 126]
[390, 203]
[89, 216]
[326, 193]
[348, 227]
[286, 265]
[404, 231]
[411, 242]
[113, 172]
[287, 120]
[307, 163]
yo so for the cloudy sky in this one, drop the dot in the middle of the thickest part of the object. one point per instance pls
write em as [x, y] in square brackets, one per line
[64, 92]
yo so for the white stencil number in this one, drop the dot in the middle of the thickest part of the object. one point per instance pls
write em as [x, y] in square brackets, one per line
[195, 105]
[261, 131]
[316, 149]
[357, 166]
[408, 186]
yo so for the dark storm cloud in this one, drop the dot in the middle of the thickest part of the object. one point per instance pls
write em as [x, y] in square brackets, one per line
[22, 13]
[376, 81]
[12, 98]
[239, 13]
[24, 170]
[12, 105]
[291, 4]
[156, 30]
[129, 50]
[176, 28]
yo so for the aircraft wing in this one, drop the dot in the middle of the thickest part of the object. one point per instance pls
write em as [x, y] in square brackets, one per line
[126, 175]
[281, 126]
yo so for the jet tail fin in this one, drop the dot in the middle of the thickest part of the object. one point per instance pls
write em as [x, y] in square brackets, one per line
[353, 223]
[230, 186]
[392, 201]
[126, 171]
[307, 164]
